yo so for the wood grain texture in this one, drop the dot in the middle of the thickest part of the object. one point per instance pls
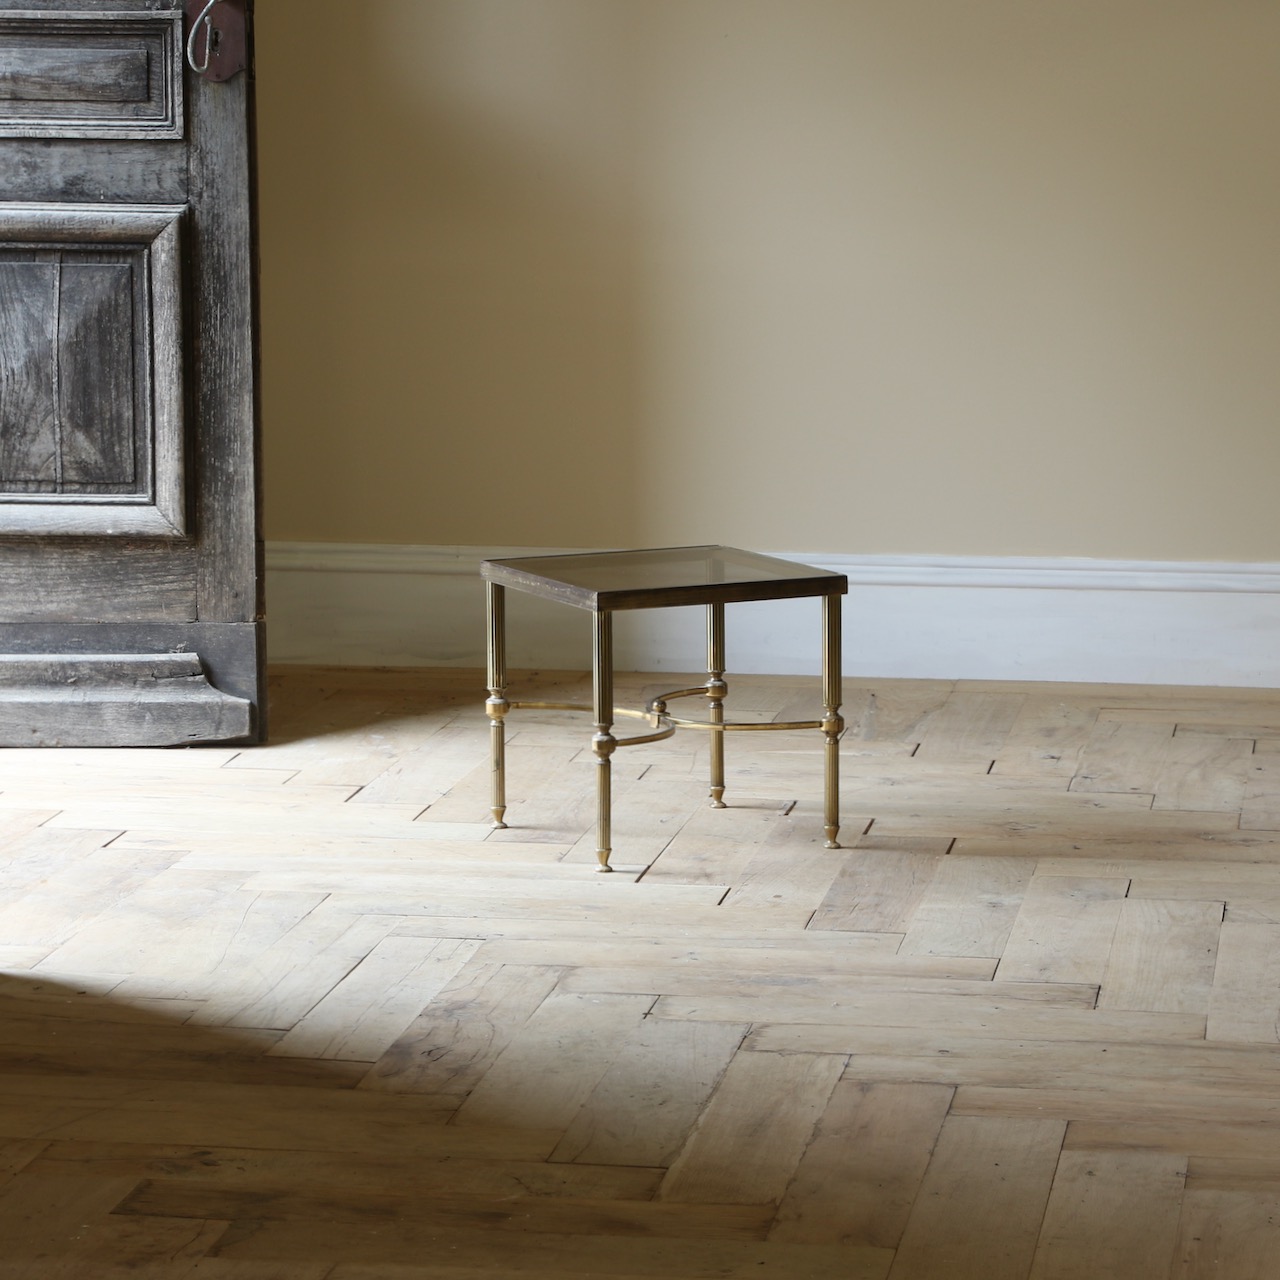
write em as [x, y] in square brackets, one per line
[90, 75]
[28, 356]
[979, 1209]
[128, 249]
[265, 1019]
[1111, 1213]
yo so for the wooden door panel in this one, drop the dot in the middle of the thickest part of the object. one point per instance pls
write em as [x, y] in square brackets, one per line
[85, 582]
[113, 173]
[68, 408]
[129, 543]
[91, 75]
[28, 439]
[38, 70]
[91, 382]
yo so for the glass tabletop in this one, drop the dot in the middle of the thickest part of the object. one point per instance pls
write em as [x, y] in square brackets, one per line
[663, 576]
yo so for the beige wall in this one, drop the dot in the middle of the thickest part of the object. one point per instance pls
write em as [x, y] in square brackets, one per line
[999, 277]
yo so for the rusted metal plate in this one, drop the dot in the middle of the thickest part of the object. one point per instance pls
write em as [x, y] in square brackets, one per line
[216, 40]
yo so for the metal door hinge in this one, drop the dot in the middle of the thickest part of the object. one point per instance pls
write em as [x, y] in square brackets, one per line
[216, 41]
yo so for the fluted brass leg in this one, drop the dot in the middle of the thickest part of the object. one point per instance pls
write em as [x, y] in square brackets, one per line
[716, 690]
[603, 742]
[832, 721]
[497, 705]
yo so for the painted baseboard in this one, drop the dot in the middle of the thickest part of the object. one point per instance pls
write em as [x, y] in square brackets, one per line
[976, 618]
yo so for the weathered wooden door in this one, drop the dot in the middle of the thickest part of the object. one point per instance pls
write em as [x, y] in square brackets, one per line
[130, 604]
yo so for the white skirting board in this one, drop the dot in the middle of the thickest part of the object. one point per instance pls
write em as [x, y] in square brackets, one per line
[951, 618]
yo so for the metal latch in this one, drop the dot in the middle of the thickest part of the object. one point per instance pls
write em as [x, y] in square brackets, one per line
[216, 38]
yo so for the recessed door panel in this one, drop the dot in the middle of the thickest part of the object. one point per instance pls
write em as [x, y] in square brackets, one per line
[91, 390]
[91, 75]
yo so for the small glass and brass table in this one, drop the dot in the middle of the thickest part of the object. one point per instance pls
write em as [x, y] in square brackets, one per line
[605, 582]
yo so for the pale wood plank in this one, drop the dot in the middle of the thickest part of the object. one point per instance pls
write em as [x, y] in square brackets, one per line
[1163, 956]
[1064, 929]
[368, 1251]
[199, 851]
[1124, 756]
[715, 846]
[181, 926]
[1251, 875]
[1111, 1213]
[969, 907]
[671, 918]
[348, 737]
[1117, 1102]
[807, 1030]
[1204, 773]
[433, 765]
[316, 1172]
[288, 975]
[1253, 910]
[881, 884]
[832, 991]
[967, 812]
[792, 866]
[754, 1131]
[400, 892]
[1245, 1173]
[893, 710]
[521, 1216]
[979, 1210]
[554, 1061]
[1171, 836]
[18, 822]
[648, 813]
[174, 1112]
[801, 952]
[58, 881]
[958, 1057]
[1227, 1234]
[860, 1175]
[971, 724]
[448, 1048]
[1244, 1004]
[283, 816]
[649, 1098]
[1203, 1138]
[363, 1015]
[1260, 808]
[1047, 738]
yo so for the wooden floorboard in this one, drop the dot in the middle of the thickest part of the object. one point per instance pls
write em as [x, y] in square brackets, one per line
[297, 1012]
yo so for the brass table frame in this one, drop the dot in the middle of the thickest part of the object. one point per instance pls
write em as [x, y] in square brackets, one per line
[604, 582]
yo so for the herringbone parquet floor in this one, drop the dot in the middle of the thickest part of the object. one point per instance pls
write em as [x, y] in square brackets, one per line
[296, 1013]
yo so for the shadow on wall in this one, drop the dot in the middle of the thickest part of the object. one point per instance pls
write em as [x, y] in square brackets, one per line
[450, 272]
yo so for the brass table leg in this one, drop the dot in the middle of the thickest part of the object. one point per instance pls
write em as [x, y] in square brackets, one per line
[832, 721]
[497, 705]
[716, 690]
[603, 743]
